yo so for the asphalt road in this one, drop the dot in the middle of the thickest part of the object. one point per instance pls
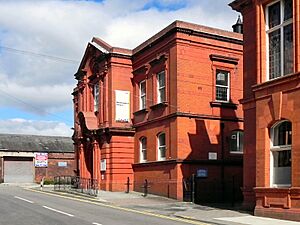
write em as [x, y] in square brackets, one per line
[19, 206]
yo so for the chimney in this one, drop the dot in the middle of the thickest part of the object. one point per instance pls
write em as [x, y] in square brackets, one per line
[238, 27]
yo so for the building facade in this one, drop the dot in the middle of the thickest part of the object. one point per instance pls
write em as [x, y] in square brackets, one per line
[104, 134]
[30, 158]
[271, 99]
[181, 117]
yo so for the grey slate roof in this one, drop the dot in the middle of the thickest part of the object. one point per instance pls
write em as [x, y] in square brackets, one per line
[35, 143]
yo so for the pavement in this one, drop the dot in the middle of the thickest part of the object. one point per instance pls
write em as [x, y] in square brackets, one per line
[218, 215]
[187, 210]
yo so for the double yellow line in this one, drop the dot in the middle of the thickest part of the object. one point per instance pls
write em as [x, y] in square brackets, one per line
[95, 202]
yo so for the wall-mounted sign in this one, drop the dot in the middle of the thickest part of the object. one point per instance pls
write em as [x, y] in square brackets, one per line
[122, 106]
[202, 173]
[41, 159]
[62, 164]
[212, 155]
[103, 165]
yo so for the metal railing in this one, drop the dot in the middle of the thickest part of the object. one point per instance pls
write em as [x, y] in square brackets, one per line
[77, 184]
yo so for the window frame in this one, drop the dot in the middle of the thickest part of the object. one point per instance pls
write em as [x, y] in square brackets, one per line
[279, 27]
[238, 137]
[276, 149]
[227, 72]
[96, 95]
[143, 149]
[160, 88]
[161, 147]
[142, 96]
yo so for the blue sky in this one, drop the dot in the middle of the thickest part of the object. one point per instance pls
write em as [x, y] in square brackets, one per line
[42, 43]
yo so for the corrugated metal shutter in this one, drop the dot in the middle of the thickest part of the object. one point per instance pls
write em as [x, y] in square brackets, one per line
[18, 170]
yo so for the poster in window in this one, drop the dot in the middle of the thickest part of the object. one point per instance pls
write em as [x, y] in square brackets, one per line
[41, 159]
[122, 106]
[221, 76]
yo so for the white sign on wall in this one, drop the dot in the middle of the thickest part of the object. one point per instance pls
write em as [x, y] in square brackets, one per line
[103, 165]
[62, 164]
[212, 156]
[41, 159]
[122, 106]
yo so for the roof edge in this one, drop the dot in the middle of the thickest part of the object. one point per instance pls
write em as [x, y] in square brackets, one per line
[189, 26]
[106, 48]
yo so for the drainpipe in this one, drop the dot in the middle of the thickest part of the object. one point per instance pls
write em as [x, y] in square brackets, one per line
[222, 161]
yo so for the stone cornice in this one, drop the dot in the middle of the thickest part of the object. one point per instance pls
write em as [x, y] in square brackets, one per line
[240, 5]
[225, 59]
[189, 115]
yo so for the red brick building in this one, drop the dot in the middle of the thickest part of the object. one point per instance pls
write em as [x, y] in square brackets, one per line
[103, 134]
[20, 158]
[271, 106]
[163, 111]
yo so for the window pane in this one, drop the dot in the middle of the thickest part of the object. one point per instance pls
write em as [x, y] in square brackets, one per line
[283, 159]
[143, 88]
[162, 140]
[161, 79]
[236, 141]
[288, 49]
[143, 143]
[144, 155]
[96, 97]
[221, 93]
[162, 152]
[274, 54]
[162, 95]
[143, 102]
[274, 15]
[288, 9]
[283, 134]
[143, 146]
[282, 167]
[222, 78]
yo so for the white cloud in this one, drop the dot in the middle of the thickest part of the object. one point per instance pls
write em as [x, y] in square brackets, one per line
[62, 28]
[22, 126]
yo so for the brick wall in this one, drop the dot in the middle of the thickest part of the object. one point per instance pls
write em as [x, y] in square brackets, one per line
[54, 169]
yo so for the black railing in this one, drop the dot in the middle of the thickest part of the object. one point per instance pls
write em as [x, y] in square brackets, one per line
[78, 184]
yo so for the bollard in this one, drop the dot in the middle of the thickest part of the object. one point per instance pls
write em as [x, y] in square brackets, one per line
[193, 187]
[42, 183]
[145, 188]
[127, 185]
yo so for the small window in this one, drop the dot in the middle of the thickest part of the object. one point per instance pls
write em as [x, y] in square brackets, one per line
[143, 149]
[161, 87]
[222, 85]
[281, 158]
[237, 141]
[142, 95]
[96, 97]
[161, 146]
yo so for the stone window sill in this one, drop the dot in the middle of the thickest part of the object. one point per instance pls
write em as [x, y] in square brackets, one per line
[142, 111]
[229, 105]
[159, 105]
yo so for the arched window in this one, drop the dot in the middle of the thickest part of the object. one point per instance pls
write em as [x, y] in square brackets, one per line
[281, 140]
[143, 149]
[237, 141]
[96, 97]
[161, 140]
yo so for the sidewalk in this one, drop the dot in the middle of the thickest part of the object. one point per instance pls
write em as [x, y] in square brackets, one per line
[170, 207]
[187, 210]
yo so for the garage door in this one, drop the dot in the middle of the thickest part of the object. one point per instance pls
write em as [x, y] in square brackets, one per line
[18, 170]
